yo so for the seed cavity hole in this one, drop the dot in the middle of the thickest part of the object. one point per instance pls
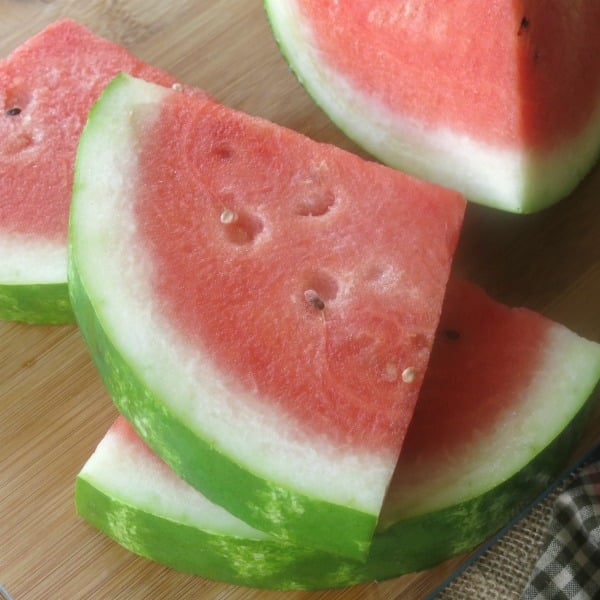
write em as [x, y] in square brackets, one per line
[314, 299]
[240, 227]
[19, 142]
[320, 288]
[315, 203]
[15, 101]
[222, 151]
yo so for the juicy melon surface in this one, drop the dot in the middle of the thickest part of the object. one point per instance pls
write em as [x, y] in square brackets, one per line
[261, 307]
[47, 87]
[500, 102]
[490, 72]
[466, 365]
[319, 295]
[52, 80]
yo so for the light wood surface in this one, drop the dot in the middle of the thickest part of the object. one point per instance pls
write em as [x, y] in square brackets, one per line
[53, 408]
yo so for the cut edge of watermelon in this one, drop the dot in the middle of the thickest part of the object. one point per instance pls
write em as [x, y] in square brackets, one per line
[512, 180]
[221, 547]
[336, 507]
[123, 458]
[564, 380]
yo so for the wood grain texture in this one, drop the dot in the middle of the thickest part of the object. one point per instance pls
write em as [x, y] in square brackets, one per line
[53, 408]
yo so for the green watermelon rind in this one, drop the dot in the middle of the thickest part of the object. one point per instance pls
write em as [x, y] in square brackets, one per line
[409, 545]
[540, 180]
[269, 506]
[220, 478]
[42, 303]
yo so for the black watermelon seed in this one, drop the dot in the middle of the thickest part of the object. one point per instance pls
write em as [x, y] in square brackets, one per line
[524, 25]
[451, 334]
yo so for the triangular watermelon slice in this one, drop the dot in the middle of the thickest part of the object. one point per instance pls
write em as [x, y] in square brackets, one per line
[261, 307]
[504, 401]
[499, 100]
[47, 87]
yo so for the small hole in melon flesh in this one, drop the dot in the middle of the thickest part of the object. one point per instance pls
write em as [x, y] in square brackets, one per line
[242, 228]
[17, 142]
[321, 285]
[315, 203]
[222, 150]
[15, 100]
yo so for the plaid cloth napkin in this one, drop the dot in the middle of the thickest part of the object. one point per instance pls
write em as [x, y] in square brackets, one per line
[569, 566]
[550, 551]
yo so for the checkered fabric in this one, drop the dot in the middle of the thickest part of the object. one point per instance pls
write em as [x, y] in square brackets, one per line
[569, 566]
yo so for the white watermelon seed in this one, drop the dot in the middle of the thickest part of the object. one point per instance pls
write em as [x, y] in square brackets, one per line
[228, 217]
[177, 87]
[409, 374]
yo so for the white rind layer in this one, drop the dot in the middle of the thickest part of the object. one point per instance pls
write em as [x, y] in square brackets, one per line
[115, 274]
[28, 259]
[512, 179]
[138, 478]
[568, 375]
[564, 380]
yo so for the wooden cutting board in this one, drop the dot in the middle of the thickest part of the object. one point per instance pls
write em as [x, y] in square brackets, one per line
[53, 408]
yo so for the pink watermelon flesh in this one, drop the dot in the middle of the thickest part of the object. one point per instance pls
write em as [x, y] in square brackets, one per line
[322, 293]
[447, 411]
[47, 87]
[509, 54]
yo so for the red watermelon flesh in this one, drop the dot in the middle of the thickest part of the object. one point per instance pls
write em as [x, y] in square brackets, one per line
[495, 375]
[468, 323]
[499, 100]
[258, 303]
[334, 360]
[506, 53]
[47, 87]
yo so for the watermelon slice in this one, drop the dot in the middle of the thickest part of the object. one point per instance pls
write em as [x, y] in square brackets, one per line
[503, 402]
[47, 87]
[261, 307]
[500, 102]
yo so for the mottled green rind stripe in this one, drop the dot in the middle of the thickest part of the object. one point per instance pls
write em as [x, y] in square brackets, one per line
[409, 545]
[43, 303]
[265, 505]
